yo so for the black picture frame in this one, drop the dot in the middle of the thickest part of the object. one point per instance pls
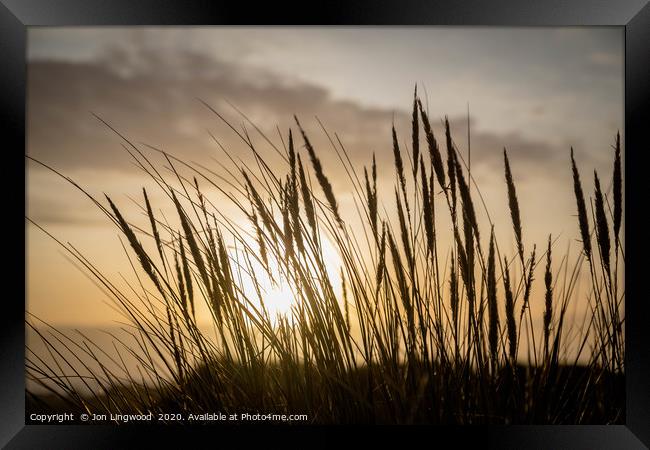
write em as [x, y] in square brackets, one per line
[632, 15]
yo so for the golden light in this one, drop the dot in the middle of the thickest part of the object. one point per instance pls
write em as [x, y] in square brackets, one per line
[278, 295]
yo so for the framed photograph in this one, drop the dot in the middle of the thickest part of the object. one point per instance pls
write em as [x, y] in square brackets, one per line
[373, 214]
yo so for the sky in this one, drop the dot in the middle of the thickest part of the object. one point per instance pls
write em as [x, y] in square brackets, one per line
[535, 91]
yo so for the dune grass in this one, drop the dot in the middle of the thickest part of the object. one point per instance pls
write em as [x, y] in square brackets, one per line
[414, 333]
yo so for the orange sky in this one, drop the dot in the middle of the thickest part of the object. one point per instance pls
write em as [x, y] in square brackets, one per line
[535, 91]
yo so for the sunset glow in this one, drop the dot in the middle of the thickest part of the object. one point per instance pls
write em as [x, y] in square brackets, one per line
[360, 225]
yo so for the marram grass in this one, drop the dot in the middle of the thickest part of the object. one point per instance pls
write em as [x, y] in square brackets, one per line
[411, 333]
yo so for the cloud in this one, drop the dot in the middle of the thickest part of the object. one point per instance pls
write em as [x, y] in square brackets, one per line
[152, 97]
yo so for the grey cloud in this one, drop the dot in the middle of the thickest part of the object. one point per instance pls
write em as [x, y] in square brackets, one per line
[151, 97]
[50, 205]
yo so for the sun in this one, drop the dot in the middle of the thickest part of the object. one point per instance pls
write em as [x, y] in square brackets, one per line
[279, 300]
[278, 295]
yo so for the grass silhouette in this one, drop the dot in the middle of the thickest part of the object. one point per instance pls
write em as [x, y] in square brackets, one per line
[410, 336]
